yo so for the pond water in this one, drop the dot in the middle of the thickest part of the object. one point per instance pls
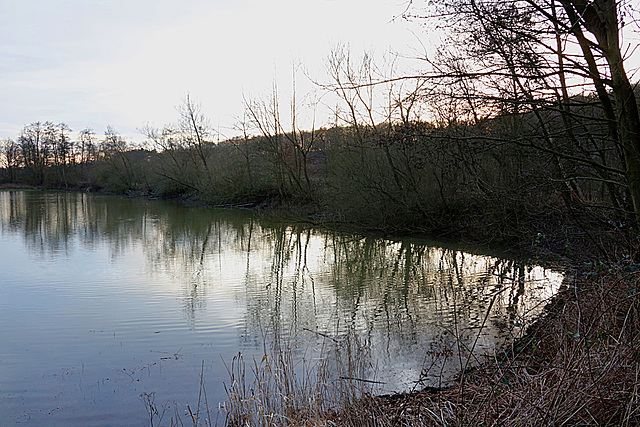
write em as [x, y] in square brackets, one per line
[106, 299]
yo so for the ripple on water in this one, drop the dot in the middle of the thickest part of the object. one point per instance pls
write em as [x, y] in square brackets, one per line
[103, 299]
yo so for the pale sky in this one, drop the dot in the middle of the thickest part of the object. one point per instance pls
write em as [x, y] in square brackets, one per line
[126, 63]
[93, 63]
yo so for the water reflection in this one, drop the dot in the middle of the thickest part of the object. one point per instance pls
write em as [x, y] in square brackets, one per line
[405, 302]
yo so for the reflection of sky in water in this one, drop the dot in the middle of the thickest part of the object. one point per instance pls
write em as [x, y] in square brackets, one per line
[103, 298]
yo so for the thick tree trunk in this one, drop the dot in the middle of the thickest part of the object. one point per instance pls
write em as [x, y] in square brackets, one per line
[600, 18]
[629, 122]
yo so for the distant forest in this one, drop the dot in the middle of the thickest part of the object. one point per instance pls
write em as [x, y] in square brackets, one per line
[527, 126]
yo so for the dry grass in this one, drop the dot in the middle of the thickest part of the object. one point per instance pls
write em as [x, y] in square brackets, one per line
[281, 390]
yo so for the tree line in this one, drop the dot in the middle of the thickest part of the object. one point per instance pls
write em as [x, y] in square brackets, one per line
[44, 152]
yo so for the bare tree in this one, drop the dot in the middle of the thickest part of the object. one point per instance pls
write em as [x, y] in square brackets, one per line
[242, 143]
[379, 110]
[33, 149]
[195, 130]
[176, 162]
[288, 149]
[114, 151]
[184, 147]
[86, 147]
[600, 19]
[10, 157]
[542, 61]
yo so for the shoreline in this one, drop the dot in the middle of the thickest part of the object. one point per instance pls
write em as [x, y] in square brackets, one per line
[588, 335]
[312, 215]
[576, 364]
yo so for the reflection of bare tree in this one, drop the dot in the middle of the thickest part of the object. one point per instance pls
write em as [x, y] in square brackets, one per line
[47, 221]
[396, 299]
[281, 301]
[175, 239]
[399, 298]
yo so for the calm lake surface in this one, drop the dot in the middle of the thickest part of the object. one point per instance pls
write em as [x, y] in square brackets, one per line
[103, 299]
